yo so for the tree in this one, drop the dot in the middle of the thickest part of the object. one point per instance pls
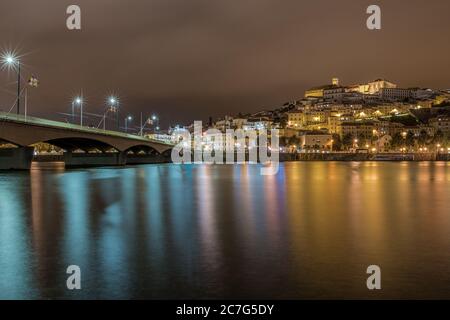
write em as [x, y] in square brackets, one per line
[362, 139]
[347, 140]
[397, 140]
[337, 143]
[439, 137]
[284, 142]
[410, 139]
[294, 140]
[423, 138]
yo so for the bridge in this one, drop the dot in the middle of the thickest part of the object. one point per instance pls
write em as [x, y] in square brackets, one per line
[82, 146]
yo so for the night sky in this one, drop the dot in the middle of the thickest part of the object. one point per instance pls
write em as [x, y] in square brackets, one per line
[190, 59]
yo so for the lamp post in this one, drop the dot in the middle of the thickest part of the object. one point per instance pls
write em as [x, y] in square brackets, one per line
[129, 118]
[113, 103]
[355, 144]
[79, 102]
[155, 120]
[11, 60]
[150, 121]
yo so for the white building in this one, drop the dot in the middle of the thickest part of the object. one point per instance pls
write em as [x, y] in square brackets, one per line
[395, 94]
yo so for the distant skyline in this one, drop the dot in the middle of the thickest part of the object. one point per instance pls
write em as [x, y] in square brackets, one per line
[188, 60]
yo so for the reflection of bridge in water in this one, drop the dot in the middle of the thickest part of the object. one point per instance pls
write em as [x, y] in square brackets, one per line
[82, 146]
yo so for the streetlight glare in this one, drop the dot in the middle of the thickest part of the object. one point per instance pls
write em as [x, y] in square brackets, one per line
[112, 100]
[10, 59]
[78, 100]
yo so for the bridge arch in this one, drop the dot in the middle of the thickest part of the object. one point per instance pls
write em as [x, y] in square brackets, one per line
[69, 137]
[142, 149]
[85, 144]
[8, 142]
[167, 153]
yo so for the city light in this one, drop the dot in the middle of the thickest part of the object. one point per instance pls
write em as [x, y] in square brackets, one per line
[9, 59]
[127, 119]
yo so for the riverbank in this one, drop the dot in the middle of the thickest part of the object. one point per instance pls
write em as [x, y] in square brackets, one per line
[364, 157]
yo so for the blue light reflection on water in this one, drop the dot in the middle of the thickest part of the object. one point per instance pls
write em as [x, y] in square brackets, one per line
[194, 231]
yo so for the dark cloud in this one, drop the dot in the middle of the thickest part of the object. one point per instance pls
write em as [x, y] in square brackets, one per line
[188, 59]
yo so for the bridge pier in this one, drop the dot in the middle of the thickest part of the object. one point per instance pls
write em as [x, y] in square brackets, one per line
[73, 160]
[16, 158]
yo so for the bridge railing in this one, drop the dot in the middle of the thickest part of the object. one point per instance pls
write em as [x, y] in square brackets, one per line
[19, 118]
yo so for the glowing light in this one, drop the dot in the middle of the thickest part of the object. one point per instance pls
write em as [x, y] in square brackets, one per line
[9, 59]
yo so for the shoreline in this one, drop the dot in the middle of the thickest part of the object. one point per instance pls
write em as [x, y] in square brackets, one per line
[412, 157]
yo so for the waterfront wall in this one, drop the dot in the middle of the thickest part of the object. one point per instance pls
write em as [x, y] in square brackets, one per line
[100, 159]
[73, 160]
[368, 157]
[146, 159]
[443, 157]
[16, 158]
[22, 158]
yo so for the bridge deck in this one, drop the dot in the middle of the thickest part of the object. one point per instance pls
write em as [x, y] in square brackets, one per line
[8, 117]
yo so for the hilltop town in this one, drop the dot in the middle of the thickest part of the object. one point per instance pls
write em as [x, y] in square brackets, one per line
[377, 116]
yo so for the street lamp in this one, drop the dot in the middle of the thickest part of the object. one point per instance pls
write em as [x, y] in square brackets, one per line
[155, 122]
[11, 61]
[79, 102]
[129, 118]
[113, 107]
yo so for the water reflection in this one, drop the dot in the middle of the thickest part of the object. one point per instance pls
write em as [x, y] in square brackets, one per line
[167, 231]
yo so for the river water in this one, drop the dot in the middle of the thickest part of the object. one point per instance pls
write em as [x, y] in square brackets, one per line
[225, 231]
